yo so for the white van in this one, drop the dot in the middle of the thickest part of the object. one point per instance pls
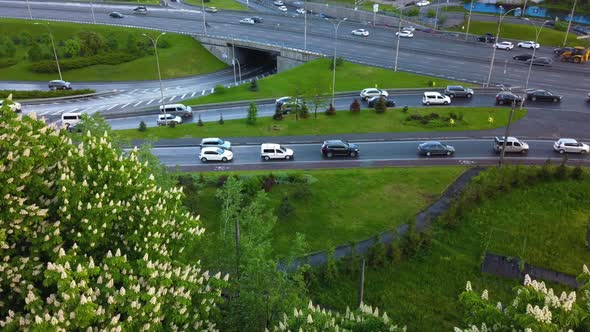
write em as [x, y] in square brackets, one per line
[177, 110]
[70, 119]
[275, 151]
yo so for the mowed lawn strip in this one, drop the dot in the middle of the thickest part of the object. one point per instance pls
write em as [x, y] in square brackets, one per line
[345, 204]
[219, 4]
[544, 224]
[316, 77]
[523, 32]
[393, 120]
[185, 56]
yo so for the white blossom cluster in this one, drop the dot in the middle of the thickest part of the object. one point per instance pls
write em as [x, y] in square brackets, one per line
[88, 241]
[315, 318]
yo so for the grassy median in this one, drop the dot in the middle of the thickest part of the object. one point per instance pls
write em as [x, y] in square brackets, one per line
[219, 4]
[184, 57]
[315, 77]
[393, 120]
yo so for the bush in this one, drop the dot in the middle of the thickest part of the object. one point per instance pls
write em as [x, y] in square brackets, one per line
[330, 269]
[577, 173]
[331, 110]
[302, 192]
[377, 255]
[381, 105]
[200, 122]
[414, 11]
[172, 124]
[21, 94]
[8, 62]
[295, 178]
[254, 85]
[339, 62]
[164, 43]
[286, 208]
[405, 109]
[221, 181]
[142, 126]
[431, 13]
[49, 66]
[355, 106]
[221, 119]
[278, 116]
[220, 89]
[252, 114]
[431, 83]
[269, 182]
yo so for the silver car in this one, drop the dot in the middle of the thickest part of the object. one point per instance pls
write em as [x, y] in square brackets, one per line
[458, 91]
[215, 142]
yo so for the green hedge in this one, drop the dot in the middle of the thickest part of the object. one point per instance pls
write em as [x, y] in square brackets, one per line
[49, 66]
[18, 94]
[7, 62]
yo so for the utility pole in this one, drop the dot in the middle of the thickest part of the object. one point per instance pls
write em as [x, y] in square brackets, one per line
[204, 18]
[501, 161]
[569, 24]
[399, 30]
[497, 41]
[336, 25]
[155, 43]
[92, 10]
[469, 19]
[29, 8]
[362, 283]
[53, 46]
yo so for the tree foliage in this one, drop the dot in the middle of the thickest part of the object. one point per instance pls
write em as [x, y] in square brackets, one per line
[252, 114]
[88, 238]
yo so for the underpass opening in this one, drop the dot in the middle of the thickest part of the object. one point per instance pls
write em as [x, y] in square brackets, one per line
[255, 57]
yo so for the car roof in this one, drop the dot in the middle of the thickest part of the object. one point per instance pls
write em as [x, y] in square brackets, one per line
[210, 148]
[161, 116]
[71, 113]
[210, 139]
[171, 105]
[431, 93]
[431, 142]
[334, 141]
[567, 140]
[269, 146]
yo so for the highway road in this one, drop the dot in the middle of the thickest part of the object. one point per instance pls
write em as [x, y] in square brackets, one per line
[372, 154]
[432, 54]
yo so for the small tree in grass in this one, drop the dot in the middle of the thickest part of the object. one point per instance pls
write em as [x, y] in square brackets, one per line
[381, 105]
[355, 106]
[200, 122]
[142, 126]
[331, 110]
[252, 114]
[221, 119]
[278, 116]
[254, 85]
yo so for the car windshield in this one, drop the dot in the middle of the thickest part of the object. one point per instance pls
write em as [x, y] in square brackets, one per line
[219, 151]
[282, 148]
[220, 142]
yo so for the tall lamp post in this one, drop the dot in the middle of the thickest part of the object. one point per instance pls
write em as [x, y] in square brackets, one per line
[53, 46]
[569, 24]
[469, 19]
[29, 8]
[233, 62]
[304, 27]
[507, 132]
[336, 26]
[537, 33]
[155, 43]
[204, 19]
[502, 16]
[92, 10]
[399, 30]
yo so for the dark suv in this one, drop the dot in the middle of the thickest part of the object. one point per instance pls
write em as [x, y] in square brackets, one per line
[487, 38]
[59, 85]
[339, 148]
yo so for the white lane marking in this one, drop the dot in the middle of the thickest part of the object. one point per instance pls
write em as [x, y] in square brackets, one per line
[212, 90]
[193, 94]
[56, 113]
[151, 101]
[44, 113]
[146, 90]
[184, 95]
[155, 90]
[172, 98]
[203, 93]
[178, 87]
[132, 91]
[86, 110]
[125, 105]
[110, 108]
[138, 103]
[101, 97]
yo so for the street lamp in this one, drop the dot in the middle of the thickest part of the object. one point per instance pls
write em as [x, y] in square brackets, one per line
[336, 26]
[399, 30]
[204, 19]
[92, 9]
[469, 19]
[29, 8]
[497, 40]
[506, 133]
[569, 24]
[537, 33]
[53, 46]
[233, 62]
[155, 43]
[304, 27]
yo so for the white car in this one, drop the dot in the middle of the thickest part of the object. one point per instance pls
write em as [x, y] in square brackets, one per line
[215, 154]
[435, 98]
[278, 3]
[360, 32]
[528, 44]
[283, 8]
[372, 92]
[505, 45]
[405, 34]
[247, 20]
[301, 10]
[410, 28]
[570, 145]
[270, 151]
[14, 106]
[422, 3]
[166, 119]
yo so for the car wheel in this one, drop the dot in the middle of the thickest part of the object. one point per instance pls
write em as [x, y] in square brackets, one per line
[524, 151]
[204, 159]
[287, 157]
[449, 153]
[329, 155]
[583, 151]
[446, 102]
[428, 154]
[500, 102]
[555, 100]
[224, 159]
[469, 95]
[562, 151]
[533, 98]
[452, 95]
[427, 103]
[266, 158]
[353, 154]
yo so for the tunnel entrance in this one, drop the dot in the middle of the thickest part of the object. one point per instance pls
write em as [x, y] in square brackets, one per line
[255, 57]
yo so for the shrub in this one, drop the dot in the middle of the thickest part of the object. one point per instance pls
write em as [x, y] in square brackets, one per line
[49, 66]
[200, 122]
[8, 62]
[286, 208]
[172, 124]
[252, 114]
[303, 111]
[221, 180]
[254, 85]
[431, 83]
[331, 110]
[21, 94]
[296, 178]
[164, 43]
[431, 13]
[278, 116]
[251, 185]
[405, 109]
[414, 11]
[577, 173]
[330, 270]
[269, 182]
[339, 62]
[220, 89]
[561, 172]
[221, 119]
[381, 105]
[302, 192]
[142, 126]
[355, 106]
[377, 255]
[545, 171]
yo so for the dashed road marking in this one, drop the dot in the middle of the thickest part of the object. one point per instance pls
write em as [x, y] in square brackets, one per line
[203, 93]
[146, 90]
[193, 94]
[125, 105]
[212, 90]
[172, 98]
[56, 113]
[151, 101]
[184, 95]
[110, 108]
[138, 103]
[132, 91]
[101, 97]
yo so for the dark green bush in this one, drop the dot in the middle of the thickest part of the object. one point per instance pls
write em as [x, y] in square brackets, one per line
[355, 106]
[20, 94]
[142, 126]
[286, 208]
[381, 105]
[377, 255]
[49, 66]
[331, 110]
[8, 62]
[577, 173]
[302, 192]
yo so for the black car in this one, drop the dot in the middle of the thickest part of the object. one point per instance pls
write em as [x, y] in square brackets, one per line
[487, 38]
[506, 98]
[560, 50]
[59, 85]
[142, 10]
[389, 102]
[339, 148]
[116, 15]
[543, 95]
[257, 19]
[435, 148]
[523, 57]
[540, 61]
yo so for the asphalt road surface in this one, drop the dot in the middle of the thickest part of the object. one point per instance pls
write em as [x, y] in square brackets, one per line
[468, 152]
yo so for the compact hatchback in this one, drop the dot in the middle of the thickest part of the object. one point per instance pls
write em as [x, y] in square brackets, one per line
[215, 142]
[405, 34]
[570, 145]
[270, 151]
[435, 98]
[167, 119]
[389, 102]
[339, 148]
[215, 154]
[458, 91]
[372, 92]
[505, 45]
[116, 15]
[59, 85]
[360, 32]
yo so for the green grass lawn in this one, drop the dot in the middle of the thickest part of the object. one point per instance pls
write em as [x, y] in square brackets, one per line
[185, 57]
[346, 204]
[220, 4]
[547, 37]
[342, 123]
[147, 2]
[316, 77]
[548, 220]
